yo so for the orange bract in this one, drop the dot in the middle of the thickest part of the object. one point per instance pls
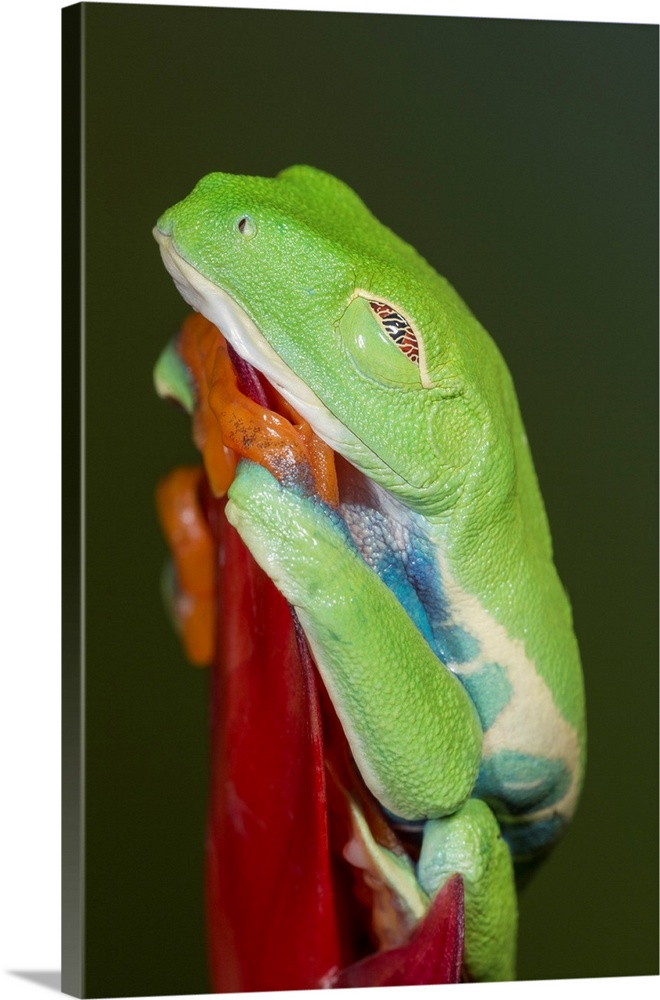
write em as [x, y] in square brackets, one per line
[227, 423]
[193, 551]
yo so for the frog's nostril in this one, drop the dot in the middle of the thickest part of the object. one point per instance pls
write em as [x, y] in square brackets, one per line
[246, 226]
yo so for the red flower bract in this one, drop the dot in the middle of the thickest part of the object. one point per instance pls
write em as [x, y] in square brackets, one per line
[280, 914]
[271, 906]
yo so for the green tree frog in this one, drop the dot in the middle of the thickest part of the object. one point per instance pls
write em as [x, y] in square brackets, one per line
[429, 597]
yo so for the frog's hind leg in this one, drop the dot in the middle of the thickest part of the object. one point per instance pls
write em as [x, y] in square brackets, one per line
[469, 842]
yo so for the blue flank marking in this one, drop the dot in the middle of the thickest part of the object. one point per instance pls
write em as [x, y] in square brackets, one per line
[490, 690]
[452, 643]
[457, 645]
[413, 577]
[410, 573]
[515, 783]
[422, 572]
[392, 572]
[521, 782]
[527, 839]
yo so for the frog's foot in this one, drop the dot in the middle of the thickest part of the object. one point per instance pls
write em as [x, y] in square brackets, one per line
[470, 843]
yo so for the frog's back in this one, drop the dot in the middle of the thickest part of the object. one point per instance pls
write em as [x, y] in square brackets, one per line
[506, 625]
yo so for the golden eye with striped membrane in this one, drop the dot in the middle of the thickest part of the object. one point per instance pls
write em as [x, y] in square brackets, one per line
[382, 341]
[398, 329]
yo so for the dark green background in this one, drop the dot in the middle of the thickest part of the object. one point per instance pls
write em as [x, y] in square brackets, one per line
[520, 158]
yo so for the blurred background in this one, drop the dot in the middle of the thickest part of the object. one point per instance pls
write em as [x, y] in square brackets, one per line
[520, 158]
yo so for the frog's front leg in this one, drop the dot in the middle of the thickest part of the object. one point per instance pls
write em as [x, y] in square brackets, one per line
[411, 726]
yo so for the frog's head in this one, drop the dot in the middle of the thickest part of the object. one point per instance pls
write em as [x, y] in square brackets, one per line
[346, 320]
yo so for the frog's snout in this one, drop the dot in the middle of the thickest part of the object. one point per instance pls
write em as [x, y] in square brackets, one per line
[161, 234]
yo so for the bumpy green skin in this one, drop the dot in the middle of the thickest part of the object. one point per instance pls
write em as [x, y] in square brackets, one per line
[481, 694]
[470, 842]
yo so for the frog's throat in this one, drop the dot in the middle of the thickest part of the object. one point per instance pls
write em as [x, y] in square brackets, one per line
[218, 306]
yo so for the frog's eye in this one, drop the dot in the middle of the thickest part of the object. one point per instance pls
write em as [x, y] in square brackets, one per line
[246, 226]
[397, 328]
[382, 342]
